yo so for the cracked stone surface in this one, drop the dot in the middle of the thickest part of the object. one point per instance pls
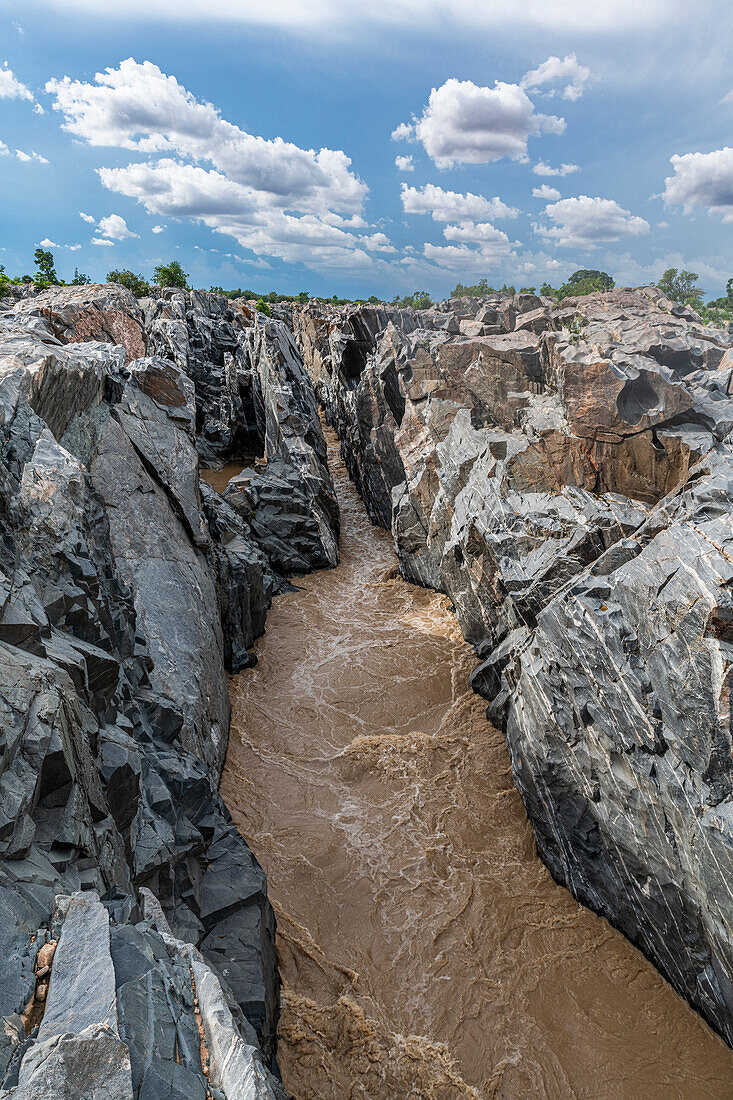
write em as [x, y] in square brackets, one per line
[563, 472]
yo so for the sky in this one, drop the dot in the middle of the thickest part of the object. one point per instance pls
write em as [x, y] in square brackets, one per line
[353, 148]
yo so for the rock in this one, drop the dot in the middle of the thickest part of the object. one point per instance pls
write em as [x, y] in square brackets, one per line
[105, 313]
[122, 599]
[94, 1065]
[563, 473]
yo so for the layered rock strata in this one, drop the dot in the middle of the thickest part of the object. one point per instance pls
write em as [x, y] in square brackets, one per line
[128, 589]
[563, 473]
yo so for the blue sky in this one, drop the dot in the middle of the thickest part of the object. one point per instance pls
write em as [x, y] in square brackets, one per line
[354, 148]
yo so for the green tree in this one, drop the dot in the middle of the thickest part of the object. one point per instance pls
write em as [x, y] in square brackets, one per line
[46, 272]
[304, 297]
[581, 282]
[133, 282]
[262, 307]
[587, 278]
[681, 286]
[725, 302]
[480, 290]
[171, 274]
[419, 300]
[80, 279]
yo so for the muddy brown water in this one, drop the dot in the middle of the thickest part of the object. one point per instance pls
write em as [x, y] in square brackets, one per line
[425, 950]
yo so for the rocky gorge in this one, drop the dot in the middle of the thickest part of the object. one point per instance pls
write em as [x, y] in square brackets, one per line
[561, 473]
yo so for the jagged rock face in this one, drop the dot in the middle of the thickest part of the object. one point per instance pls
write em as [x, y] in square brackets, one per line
[623, 754]
[563, 474]
[253, 398]
[204, 335]
[129, 1011]
[126, 593]
[105, 313]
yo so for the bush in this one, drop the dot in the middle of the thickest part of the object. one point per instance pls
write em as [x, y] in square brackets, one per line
[129, 279]
[80, 279]
[262, 307]
[171, 274]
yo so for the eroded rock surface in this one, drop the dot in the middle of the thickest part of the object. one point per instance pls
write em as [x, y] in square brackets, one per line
[127, 590]
[563, 473]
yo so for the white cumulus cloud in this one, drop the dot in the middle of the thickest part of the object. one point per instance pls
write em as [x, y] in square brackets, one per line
[464, 123]
[542, 169]
[27, 157]
[103, 241]
[158, 229]
[115, 227]
[584, 221]
[11, 87]
[404, 132]
[545, 192]
[271, 195]
[566, 71]
[404, 164]
[702, 180]
[450, 206]
[86, 217]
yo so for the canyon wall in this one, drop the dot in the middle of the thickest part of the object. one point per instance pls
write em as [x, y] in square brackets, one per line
[564, 473]
[136, 931]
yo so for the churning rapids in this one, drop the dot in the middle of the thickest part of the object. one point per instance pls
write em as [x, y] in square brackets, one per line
[425, 950]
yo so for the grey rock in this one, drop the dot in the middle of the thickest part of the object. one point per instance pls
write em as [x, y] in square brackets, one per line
[563, 473]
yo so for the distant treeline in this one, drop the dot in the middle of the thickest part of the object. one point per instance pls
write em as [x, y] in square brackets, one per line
[678, 285]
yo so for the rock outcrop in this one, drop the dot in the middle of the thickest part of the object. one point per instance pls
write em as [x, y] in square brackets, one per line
[128, 589]
[564, 473]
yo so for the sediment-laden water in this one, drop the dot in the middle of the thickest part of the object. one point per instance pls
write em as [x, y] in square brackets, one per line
[425, 950]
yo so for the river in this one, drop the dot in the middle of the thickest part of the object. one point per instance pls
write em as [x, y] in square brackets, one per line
[425, 950]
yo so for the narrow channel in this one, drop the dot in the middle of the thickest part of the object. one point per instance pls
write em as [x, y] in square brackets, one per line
[425, 950]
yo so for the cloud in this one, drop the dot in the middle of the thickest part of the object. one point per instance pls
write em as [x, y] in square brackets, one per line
[628, 271]
[11, 87]
[317, 16]
[115, 227]
[702, 180]
[566, 71]
[4, 151]
[545, 192]
[46, 243]
[404, 132]
[377, 242]
[461, 259]
[87, 217]
[449, 206]
[27, 157]
[404, 164]
[464, 123]
[138, 107]
[728, 98]
[158, 229]
[102, 241]
[542, 169]
[582, 222]
[271, 195]
[167, 188]
[483, 233]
